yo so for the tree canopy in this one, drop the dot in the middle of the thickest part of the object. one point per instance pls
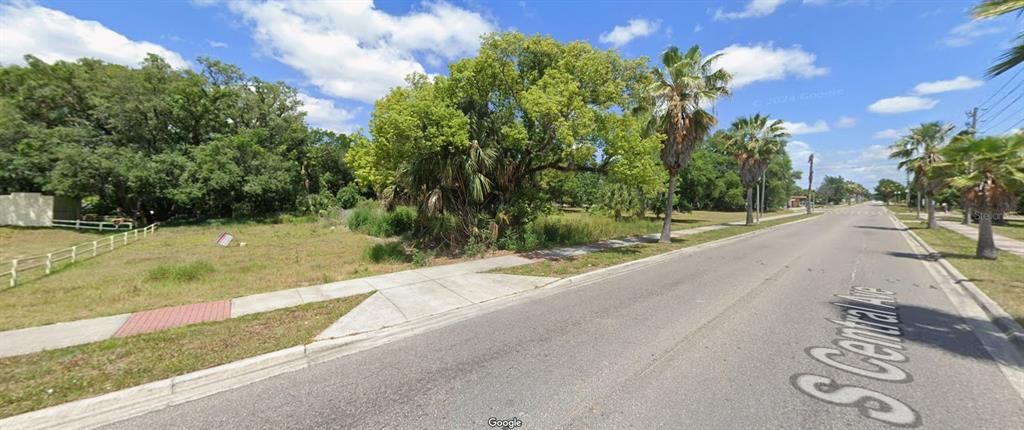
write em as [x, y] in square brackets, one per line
[196, 144]
[469, 147]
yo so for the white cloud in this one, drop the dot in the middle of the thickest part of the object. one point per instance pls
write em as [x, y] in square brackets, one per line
[796, 128]
[353, 50]
[814, 2]
[765, 62]
[868, 167]
[621, 35]
[901, 104]
[697, 28]
[1014, 131]
[845, 122]
[958, 83]
[52, 35]
[966, 33]
[323, 113]
[890, 133]
[216, 44]
[756, 8]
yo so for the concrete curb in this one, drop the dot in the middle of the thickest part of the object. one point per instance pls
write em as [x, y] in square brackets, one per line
[112, 407]
[1013, 331]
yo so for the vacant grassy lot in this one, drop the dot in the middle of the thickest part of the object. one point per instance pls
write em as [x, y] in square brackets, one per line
[19, 242]
[575, 265]
[1002, 279]
[181, 265]
[49, 378]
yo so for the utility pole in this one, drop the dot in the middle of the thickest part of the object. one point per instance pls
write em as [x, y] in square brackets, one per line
[973, 113]
[810, 182]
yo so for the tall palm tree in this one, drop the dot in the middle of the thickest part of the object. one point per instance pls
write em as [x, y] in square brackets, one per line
[685, 84]
[754, 141]
[919, 153]
[1015, 55]
[989, 186]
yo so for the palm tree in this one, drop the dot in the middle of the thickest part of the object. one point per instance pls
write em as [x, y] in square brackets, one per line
[919, 153]
[997, 175]
[754, 141]
[687, 83]
[1015, 55]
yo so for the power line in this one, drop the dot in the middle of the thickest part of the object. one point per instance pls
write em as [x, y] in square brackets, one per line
[1012, 126]
[994, 105]
[992, 120]
[1001, 87]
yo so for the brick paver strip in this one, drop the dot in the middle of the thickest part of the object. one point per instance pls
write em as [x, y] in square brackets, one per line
[176, 316]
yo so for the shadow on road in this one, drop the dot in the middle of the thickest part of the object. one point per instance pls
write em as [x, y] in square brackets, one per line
[937, 329]
[929, 257]
[875, 227]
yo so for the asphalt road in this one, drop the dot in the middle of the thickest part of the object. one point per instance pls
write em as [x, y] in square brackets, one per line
[735, 336]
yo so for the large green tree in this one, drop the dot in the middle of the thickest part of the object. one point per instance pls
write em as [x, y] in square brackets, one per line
[887, 189]
[154, 142]
[685, 84]
[468, 149]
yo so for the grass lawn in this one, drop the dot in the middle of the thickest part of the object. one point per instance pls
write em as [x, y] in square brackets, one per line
[575, 265]
[182, 265]
[19, 242]
[1002, 279]
[48, 378]
[575, 227]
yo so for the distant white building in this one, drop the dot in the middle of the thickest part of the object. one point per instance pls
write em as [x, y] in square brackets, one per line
[36, 210]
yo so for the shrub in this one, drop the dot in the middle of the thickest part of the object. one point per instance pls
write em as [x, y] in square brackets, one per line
[348, 197]
[180, 272]
[368, 217]
[422, 258]
[391, 252]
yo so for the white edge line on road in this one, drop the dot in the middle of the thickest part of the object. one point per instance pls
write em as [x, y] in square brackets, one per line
[996, 341]
[110, 408]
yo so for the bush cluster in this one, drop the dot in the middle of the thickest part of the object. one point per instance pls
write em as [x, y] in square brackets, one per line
[370, 218]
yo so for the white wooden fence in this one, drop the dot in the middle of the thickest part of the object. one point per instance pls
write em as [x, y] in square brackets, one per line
[75, 253]
[95, 225]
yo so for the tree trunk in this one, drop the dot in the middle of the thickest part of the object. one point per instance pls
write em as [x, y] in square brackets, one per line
[918, 207]
[968, 213]
[986, 243]
[931, 214]
[666, 226]
[750, 205]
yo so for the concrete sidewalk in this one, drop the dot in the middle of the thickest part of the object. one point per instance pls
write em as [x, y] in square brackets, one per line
[1004, 243]
[402, 296]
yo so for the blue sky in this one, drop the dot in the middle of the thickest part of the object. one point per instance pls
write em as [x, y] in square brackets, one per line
[849, 76]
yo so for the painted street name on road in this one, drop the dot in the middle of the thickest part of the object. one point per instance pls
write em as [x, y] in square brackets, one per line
[870, 331]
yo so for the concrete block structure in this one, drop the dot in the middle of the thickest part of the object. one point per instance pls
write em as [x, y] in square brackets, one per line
[36, 210]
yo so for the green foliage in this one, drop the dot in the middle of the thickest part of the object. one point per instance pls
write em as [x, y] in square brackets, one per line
[469, 149]
[832, 189]
[370, 218]
[390, 252]
[154, 142]
[421, 258]
[349, 196]
[180, 272]
[888, 189]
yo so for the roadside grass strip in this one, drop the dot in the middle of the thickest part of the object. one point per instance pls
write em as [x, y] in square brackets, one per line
[1002, 279]
[568, 266]
[48, 378]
